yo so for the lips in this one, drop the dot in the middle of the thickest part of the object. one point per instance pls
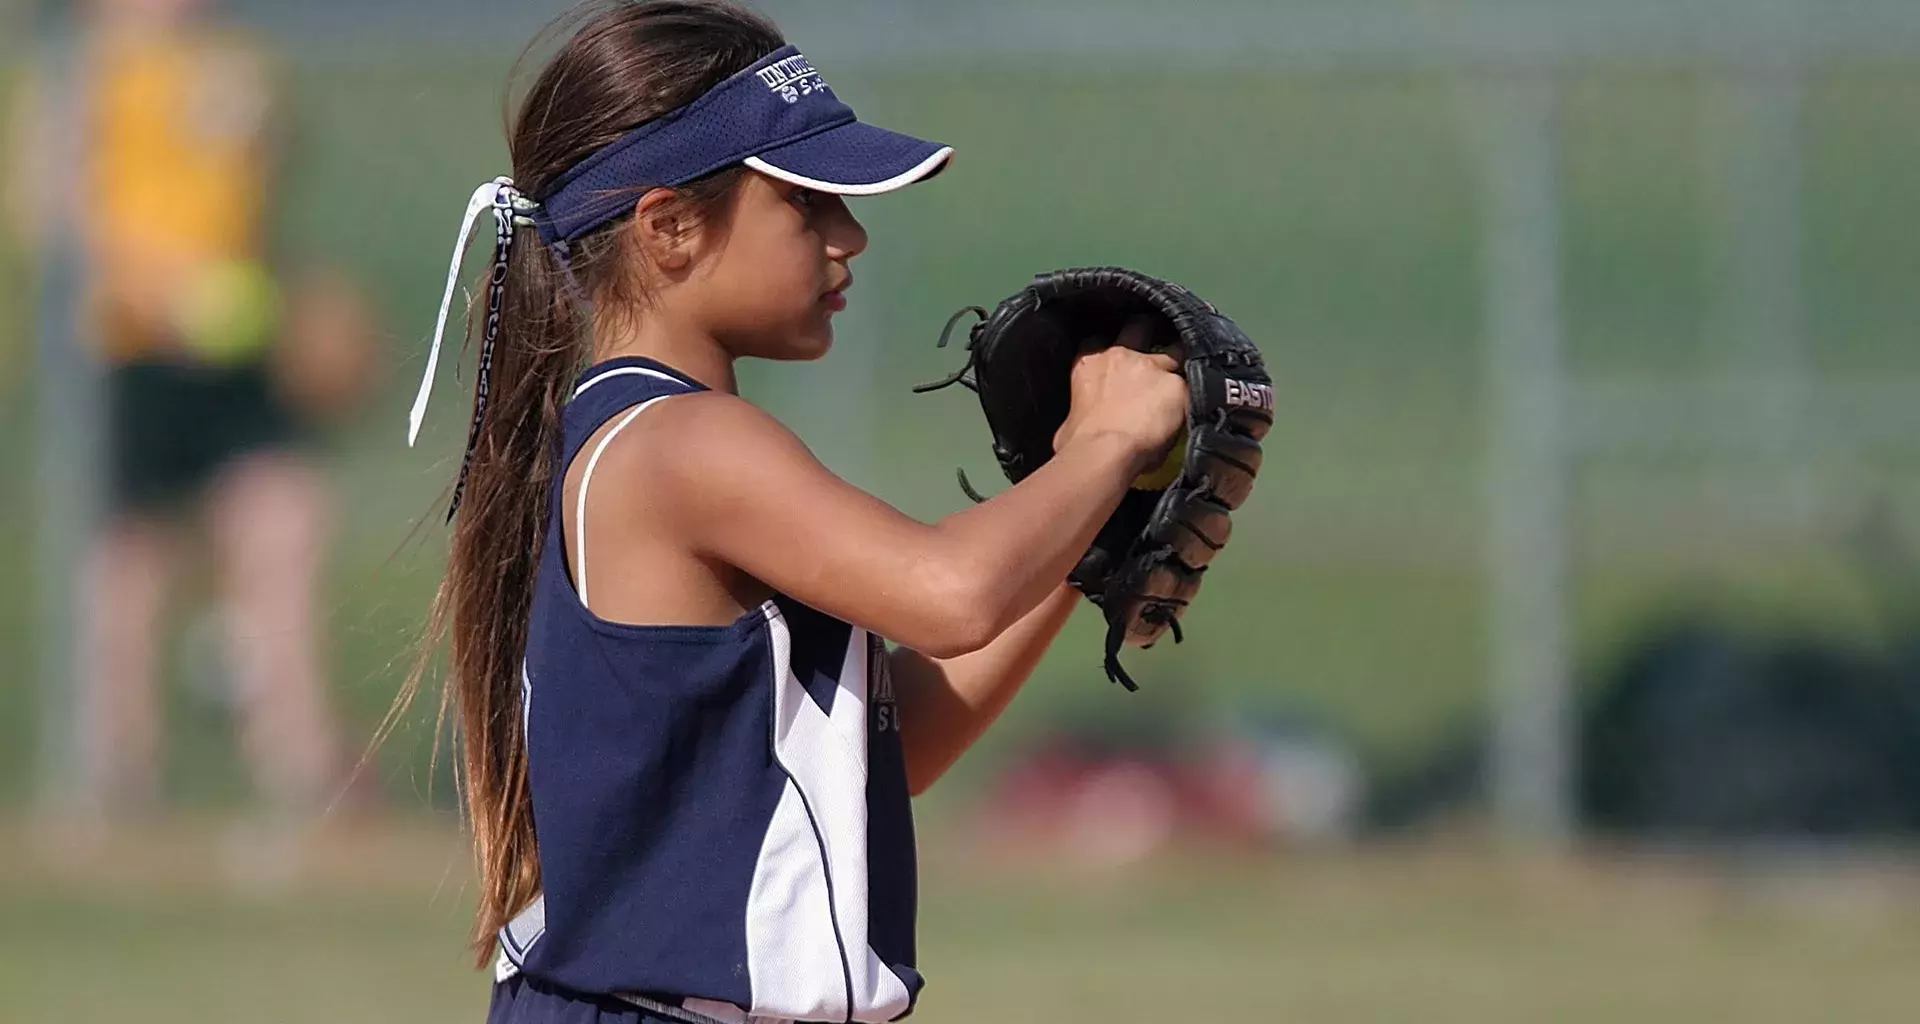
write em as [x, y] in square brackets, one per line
[836, 297]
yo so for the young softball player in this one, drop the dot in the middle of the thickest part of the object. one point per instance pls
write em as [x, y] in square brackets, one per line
[687, 751]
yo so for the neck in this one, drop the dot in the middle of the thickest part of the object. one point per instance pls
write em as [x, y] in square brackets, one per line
[661, 337]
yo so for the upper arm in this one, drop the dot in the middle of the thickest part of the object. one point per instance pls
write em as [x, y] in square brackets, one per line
[738, 487]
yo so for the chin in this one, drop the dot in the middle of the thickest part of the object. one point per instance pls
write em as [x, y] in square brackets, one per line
[812, 344]
[800, 344]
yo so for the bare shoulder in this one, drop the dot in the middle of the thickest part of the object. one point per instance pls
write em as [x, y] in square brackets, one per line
[709, 428]
[692, 446]
[710, 412]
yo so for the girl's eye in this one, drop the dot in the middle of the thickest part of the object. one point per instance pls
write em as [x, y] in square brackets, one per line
[804, 198]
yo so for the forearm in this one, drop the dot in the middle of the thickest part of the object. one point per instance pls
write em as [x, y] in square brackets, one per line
[1023, 542]
[947, 704]
[781, 517]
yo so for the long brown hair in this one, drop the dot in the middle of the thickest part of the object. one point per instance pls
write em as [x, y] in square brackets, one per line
[625, 64]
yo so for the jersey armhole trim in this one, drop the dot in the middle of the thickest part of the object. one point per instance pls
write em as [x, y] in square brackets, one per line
[586, 477]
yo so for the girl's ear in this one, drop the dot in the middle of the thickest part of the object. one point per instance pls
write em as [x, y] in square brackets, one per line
[666, 231]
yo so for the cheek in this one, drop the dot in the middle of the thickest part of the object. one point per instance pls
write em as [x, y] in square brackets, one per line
[772, 279]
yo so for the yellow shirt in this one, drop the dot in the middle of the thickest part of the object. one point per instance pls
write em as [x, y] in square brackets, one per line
[176, 176]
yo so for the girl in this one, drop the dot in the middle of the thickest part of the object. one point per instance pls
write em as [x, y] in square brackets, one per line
[687, 753]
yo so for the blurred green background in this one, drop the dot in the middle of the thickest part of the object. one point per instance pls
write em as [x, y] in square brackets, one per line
[1333, 210]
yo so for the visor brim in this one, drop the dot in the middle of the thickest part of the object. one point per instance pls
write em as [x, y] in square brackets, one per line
[853, 159]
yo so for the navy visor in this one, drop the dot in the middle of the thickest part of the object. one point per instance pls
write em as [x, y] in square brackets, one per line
[778, 117]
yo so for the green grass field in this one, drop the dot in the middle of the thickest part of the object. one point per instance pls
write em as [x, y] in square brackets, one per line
[373, 933]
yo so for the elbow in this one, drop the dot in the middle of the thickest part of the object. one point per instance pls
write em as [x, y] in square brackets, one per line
[955, 633]
[961, 612]
[925, 767]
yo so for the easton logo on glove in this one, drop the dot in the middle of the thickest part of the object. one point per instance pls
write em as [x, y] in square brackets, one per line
[1248, 395]
[1146, 563]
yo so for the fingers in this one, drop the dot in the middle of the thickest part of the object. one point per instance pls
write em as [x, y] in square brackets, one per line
[1158, 360]
[1135, 334]
[1164, 361]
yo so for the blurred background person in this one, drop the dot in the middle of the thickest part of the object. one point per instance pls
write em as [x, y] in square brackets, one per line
[213, 381]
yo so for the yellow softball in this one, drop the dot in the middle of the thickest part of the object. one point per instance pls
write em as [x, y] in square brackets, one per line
[1169, 471]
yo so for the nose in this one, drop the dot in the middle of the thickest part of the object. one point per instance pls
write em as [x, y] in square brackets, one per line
[845, 237]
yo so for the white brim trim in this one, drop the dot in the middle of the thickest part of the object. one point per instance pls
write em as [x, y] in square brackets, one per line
[908, 177]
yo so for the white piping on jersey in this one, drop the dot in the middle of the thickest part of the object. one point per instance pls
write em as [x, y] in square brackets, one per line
[622, 371]
[586, 475]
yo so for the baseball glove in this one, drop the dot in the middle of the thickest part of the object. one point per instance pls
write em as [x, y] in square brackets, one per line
[1146, 563]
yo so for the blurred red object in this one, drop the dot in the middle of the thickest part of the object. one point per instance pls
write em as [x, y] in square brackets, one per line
[1107, 806]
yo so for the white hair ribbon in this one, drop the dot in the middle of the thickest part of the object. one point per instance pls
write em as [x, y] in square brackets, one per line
[488, 194]
[509, 209]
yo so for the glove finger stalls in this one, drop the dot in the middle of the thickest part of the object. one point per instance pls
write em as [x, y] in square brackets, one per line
[1161, 596]
[1168, 581]
[1226, 462]
[1194, 525]
[1141, 633]
[1253, 425]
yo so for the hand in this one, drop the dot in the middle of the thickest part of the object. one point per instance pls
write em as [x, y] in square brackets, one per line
[326, 361]
[1121, 391]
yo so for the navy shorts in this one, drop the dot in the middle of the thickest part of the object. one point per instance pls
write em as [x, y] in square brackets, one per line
[524, 1000]
[172, 427]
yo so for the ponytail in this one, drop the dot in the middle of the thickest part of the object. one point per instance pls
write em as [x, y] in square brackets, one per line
[625, 64]
[484, 601]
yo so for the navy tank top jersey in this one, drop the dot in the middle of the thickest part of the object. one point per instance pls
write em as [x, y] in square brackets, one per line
[722, 811]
